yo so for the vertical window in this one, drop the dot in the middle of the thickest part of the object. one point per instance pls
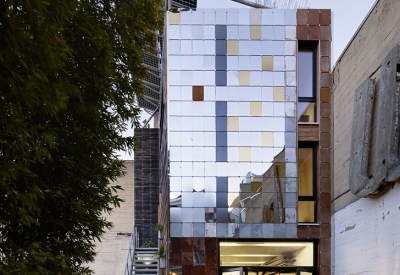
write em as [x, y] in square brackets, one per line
[306, 84]
[307, 188]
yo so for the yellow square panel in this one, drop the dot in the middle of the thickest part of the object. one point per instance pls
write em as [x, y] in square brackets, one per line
[255, 32]
[232, 47]
[244, 78]
[279, 94]
[174, 18]
[233, 124]
[267, 63]
[267, 139]
[255, 108]
[244, 154]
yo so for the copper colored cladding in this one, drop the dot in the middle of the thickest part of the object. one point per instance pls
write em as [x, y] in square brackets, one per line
[325, 64]
[325, 95]
[325, 17]
[325, 109]
[325, 48]
[198, 93]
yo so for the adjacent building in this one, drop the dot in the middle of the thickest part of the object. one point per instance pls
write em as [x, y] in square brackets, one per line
[245, 138]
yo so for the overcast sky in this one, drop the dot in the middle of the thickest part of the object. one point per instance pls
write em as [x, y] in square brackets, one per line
[347, 17]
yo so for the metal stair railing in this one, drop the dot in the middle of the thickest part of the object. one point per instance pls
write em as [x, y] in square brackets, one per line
[130, 259]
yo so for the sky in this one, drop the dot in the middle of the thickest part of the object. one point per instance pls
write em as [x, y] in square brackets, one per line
[347, 15]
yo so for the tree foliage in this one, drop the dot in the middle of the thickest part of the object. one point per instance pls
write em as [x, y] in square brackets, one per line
[70, 71]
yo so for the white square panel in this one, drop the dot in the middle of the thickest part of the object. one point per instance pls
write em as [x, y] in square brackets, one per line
[256, 140]
[197, 62]
[197, 17]
[220, 17]
[267, 17]
[209, 123]
[187, 213]
[256, 125]
[244, 139]
[256, 48]
[209, 93]
[198, 123]
[244, 32]
[186, 108]
[221, 93]
[198, 213]
[198, 153]
[175, 184]
[233, 93]
[279, 33]
[267, 124]
[186, 93]
[186, 47]
[267, 32]
[232, 32]
[209, 47]
[279, 79]
[244, 63]
[279, 109]
[174, 78]
[209, 63]
[267, 93]
[198, 31]
[186, 123]
[279, 63]
[244, 47]
[174, 47]
[210, 168]
[268, 109]
[174, 138]
[254, 94]
[186, 154]
[256, 155]
[186, 32]
[257, 167]
[233, 62]
[198, 169]
[209, 140]
[290, 17]
[279, 139]
[244, 108]
[209, 108]
[210, 200]
[210, 184]
[268, 154]
[198, 78]
[175, 153]
[244, 168]
[175, 214]
[186, 78]
[198, 47]
[267, 47]
[244, 17]
[209, 153]
[234, 182]
[175, 169]
[209, 79]
[267, 78]
[279, 124]
[232, 17]
[174, 108]
[222, 169]
[198, 108]
[244, 124]
[233, 139]
[233, 154]
[198, 139]
[255, 63]
[187, 229]
[255, 78]
[174, 93]
[209, 17]
[290, 109]
[174, 32]
[232, 78]
[186, 139]
[186, 17]
[186, 62]
[174, 123]
[186, 169]
[279, 17]
[279, 47]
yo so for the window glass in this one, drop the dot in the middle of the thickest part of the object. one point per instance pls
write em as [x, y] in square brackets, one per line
[306, 172]
[306, 73]
[306, 211]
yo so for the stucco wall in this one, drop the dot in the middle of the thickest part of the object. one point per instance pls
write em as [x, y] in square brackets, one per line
[376, 38]
[366, 231]
[112, 250]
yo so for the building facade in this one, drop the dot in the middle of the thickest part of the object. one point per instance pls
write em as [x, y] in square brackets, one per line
[245, 142]
[365, 199]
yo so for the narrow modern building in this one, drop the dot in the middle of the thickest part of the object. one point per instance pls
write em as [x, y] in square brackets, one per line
[245, 142]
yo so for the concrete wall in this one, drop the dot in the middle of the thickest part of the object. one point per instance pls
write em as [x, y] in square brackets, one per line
[366, 231]
[112, 251]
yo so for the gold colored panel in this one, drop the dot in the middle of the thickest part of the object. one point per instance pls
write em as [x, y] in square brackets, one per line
[306, 211]
[279, 94]
[255, 32]
[174, 18]
[232, 47]
[233, 124]
[255, 108]
[267, 139]
[244, 78]
[267, 63]
[244, 154]
[305, 163]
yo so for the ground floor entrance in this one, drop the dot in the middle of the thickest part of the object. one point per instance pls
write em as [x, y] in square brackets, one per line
[264, 271]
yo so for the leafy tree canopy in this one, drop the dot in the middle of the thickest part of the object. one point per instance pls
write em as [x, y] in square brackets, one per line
[70, 71]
